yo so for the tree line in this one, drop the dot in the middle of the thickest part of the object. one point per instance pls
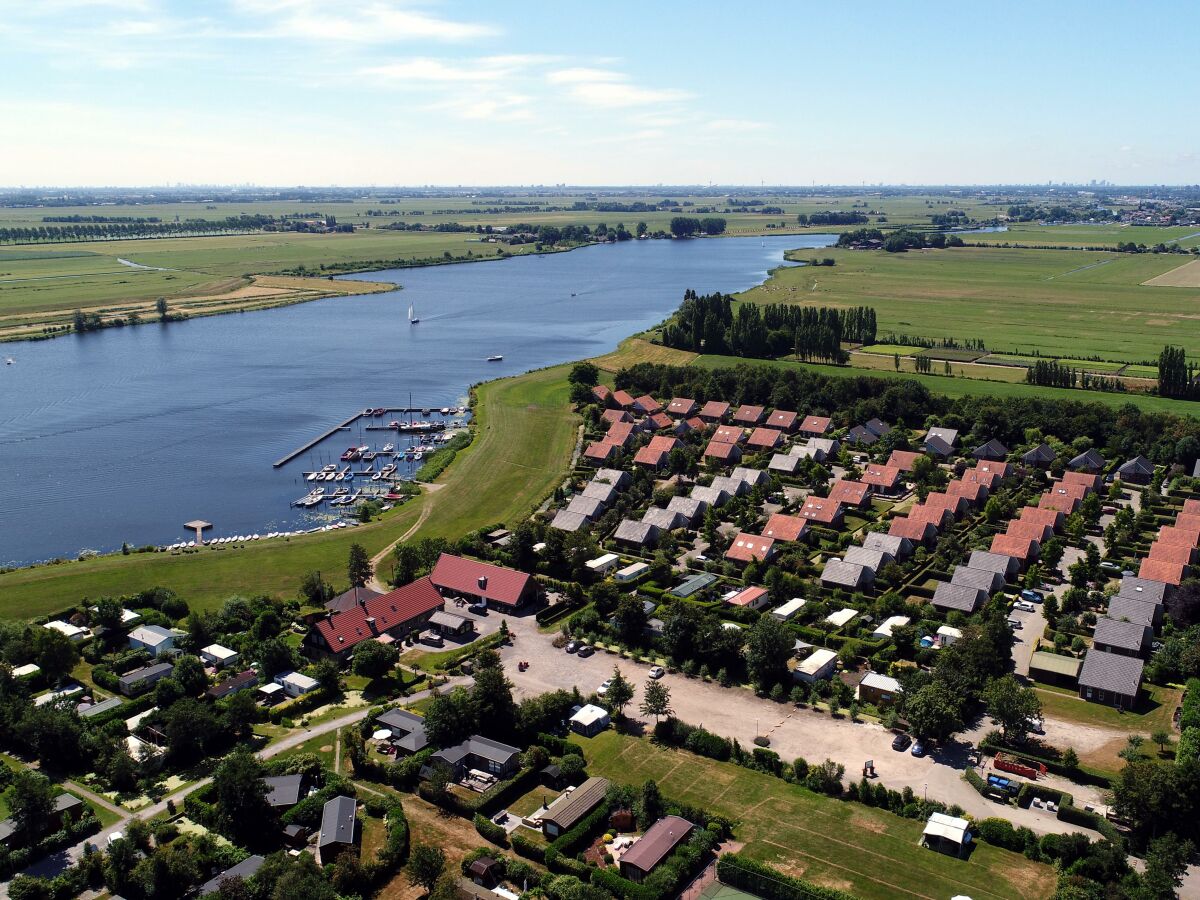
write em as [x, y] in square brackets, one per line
[109, 231]
[833, 217]
[1177, 376]
[686, 226]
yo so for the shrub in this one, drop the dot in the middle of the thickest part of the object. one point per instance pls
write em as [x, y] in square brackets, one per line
[527, 848]
[771, 884]
[490, 831]
[1000, 833]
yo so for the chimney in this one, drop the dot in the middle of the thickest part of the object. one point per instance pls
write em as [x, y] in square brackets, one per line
[371, 624]
[483, 582]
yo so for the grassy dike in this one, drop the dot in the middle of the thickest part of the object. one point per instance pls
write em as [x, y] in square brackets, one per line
[524, 438]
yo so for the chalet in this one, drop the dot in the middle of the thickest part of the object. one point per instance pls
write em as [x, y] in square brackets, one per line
[631, 572]
[636, 534]
[1023, 550]
[714, 411]
[243, 871]
[850, 493]
[966, 599]
[1138, 470]
[872, 560]
[877, 689]
[599, 452]
[947, 635]
[839, 573]
[1051, 668]
[1039, 457]
[408, 730]
[993, 449]
[689, 508]
[904, 460]
[1121, 637]
[1110, 678]
[153, 638]
[784, 420]
[815, 426]
[682, 407]
[612, 416]
[388, 617]
[339, 829]
[749, 598]
[569, 809]
[141, 680]
[693, 585]
[818, 665]
[748, 416]
[823, 511]
[623, 399]
[888, 626]
[1088, 461]
[882, 479]
[1161, 570]
[765, 439]
[786, 528]
[649, 851]
[480, 753]
[243, 681]
[500, 588]
[894, 545]
[646, 405]
[98, 709]
[296, 684]
[917, 531]
[723, 452]
[283, 791]
[747, 547]
[788, 610]
[979, 579]
[218, 656]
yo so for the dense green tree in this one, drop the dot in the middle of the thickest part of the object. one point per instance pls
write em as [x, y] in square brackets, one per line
[425, 865]
[450, 718]
[656, 700]
[933, 711]
[375, 660]
[30, 804]
[189, 672]
[768, 649]
[358, 567]
[1013, 705]
[619, 693]
[241, 800]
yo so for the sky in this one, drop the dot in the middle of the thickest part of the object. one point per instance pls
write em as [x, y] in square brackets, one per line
[420, 92]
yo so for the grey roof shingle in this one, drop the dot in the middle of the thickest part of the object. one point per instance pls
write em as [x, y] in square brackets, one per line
[993, 449]
[870, 559]
[283, 790]
[1132, 610]
[663, 519]
[845, 574]
[338, 821]
[565, 520]
[1089, 459]
[1121, 633]
[412, 726]
[1041, 455]
[1143, 589]
[894, 544]
[243, 870]
[586, 506]
[640, 533]
[1111, 672]
[983, 579]
[688, 507]
[993, 562]
[1139, 465]
[958, 596]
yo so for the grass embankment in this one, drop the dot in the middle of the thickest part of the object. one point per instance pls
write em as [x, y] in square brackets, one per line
[525, 435]
[1072, 303]
[860, 849]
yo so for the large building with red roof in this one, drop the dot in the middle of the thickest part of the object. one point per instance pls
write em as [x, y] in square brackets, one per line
[385, 617]
[469, 579]
[904, 460]
[785, 528]
[850, 493]
[746, 547]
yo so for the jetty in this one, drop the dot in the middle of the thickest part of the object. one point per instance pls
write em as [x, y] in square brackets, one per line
[346, 426]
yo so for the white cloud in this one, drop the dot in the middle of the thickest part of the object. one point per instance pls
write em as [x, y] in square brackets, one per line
[509, 108]
[615, 95]
[733, 125]
[583, 74]
[424, 68]
[372, 22]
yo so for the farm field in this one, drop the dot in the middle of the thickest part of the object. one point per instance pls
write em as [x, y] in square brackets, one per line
[1061, 302]
[1084, 235]
[1186, 275]
[525, 436]
[639, 350]
[856, 848]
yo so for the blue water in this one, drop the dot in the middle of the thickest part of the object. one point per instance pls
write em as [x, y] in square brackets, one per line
[125, 434]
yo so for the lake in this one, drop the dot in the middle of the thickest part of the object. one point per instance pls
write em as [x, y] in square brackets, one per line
[125, 434]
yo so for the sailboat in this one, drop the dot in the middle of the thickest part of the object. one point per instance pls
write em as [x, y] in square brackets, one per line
[412, 315]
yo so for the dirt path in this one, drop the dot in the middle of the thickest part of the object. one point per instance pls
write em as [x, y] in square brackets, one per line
[374, 583]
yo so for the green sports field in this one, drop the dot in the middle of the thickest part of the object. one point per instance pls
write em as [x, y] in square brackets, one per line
[860, 849]
[1061, 302]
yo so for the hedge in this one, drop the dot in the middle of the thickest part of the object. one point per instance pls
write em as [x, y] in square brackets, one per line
[753, 877]
[1076, 816]
[1189, 716]
[298, 706]
[571, 839]
[527, 848]
[565, 865]
[552, 614]
[1029, 790]
[621, 887]
[556, 746]
[1188, 748]
[975, 780]
[490, 831]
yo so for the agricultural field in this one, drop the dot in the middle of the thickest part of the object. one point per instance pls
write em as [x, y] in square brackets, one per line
[892, 349]
[1084, 235]
[1061, 302]
[526, 432]
[871, 853]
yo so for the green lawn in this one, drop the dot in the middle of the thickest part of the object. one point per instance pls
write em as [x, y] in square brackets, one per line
[871, 853]
[892, 349]
[526, 432]
[1154, 712]
[1062, 302]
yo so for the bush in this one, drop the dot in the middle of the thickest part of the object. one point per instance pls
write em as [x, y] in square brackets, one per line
[976, 781]
[527, 848]
[999, 833]
[1188, 748]
[490, 830]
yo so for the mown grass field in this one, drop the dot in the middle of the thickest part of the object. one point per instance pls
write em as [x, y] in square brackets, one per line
[1060, 302]
[526, 433]
[866, 851]
[1076, 235]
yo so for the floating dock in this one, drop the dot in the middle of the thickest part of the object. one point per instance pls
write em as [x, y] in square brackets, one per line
[345, 426]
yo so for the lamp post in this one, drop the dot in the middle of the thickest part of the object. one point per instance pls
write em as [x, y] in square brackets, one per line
[926, 792]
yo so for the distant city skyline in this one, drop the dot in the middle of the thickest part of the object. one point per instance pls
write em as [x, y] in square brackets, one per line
[403, 92]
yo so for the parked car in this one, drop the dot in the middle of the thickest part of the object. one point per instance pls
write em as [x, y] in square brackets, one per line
[572, 646]
[114, 837]
[918, 748]
[1031, 596]
[901, 741]
[1037, 726]
[1014, 624]
[480, 608]
[1024, 605]
[585, 651]
[1109, 566]
[603, 689]
[657, 672]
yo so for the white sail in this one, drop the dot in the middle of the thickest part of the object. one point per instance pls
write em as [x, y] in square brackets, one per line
[412, 314]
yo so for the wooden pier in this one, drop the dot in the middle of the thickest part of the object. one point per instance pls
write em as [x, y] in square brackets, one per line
[345, 426]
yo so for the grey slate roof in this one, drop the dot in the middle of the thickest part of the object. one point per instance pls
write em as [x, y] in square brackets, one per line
[484, 748]
[568, 809]
[750, 477]
[244, 870]
[1137, 611]
[283, 790]
[1089, 459]
[899, 547]
[949, 435]
[1119, 633]
[1143, 589]
[1111, 672]
[596, 490]
[993, 449]
[1139, 465]
[846, 574]
[158, 670]
[935, 444]
[640, 533]
[102, 707]
[586, 506]
[1041, 455]
[958, 596]
[784, 462]
[414, 739]
[568, 521]
[878, 427]
[870, 559]
[688, 507]
[993, 562]
[713, 496]
[338, 822]
[664, 519]
[828, 446]
[730, 485]
[983, 579]
[860, 434]
[618, 478]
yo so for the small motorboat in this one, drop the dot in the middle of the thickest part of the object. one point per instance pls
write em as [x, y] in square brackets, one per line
[496, 358]
[445, 410]
[388, 448]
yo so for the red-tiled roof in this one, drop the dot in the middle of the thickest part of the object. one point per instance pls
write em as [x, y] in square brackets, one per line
[722, 450]
[1042, 515]
[1175, 553]
[749, 415]
[765, 437]
[785, 528]
[972, 490]
[696, 423]
[615, 415]
[1162, 570]
[1016, 547]
[623, 399]
[747, 596]
[1191, 507]
[815, 424]
[854, 493]
[746, 547]
[714, 409]
[663, 442]
[341, 631]
[602, 393]
[599, 450]
[881, 476]
[1088, 480]
[1188, 521]
[822, 510]
[1025, 528]
[649, 456]
[647, 404]
[1061, 502]
[937, 516]
[783, 418]
[462, 576]
[661, 420]
[907, 527]
[992, 467]
[903, 459]
[681, 406]
[1173, 534]
[943, 500]
[730, 434]
[620, 433]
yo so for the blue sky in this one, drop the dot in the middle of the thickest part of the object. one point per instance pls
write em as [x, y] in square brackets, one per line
[130, 92]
